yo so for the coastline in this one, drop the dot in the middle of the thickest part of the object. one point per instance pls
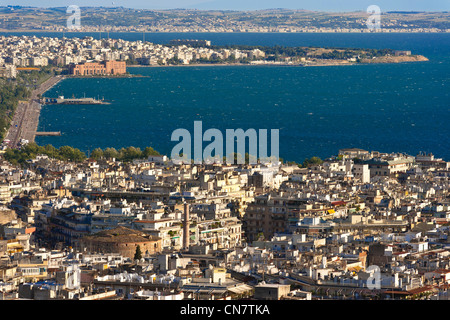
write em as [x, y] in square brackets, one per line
[26, 118]
[399, 59]
[25, 121]
[359, 31]
[105, 76]
[380, 60]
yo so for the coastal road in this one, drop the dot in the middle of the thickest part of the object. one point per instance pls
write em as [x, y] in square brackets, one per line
[26, 118]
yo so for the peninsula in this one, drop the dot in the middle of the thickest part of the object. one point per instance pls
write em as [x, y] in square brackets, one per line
[109, 57]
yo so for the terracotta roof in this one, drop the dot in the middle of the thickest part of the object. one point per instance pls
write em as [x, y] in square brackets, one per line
[441, 271]
[154, 221]
[420, 290]
[412, 291]
[116, 232]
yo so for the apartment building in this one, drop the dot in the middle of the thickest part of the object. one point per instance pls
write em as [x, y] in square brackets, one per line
[98, 68]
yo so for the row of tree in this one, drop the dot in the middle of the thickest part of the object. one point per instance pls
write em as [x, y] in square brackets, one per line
[276, 50]
[31, 150]
[67, 153]
[307, 163]
[123, 154]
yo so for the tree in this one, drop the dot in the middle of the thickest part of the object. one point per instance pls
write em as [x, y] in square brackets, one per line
[149, 151]
[97, 154]
[312, 162]
[71, 154]
[50, 151]
[130, 153]
[138, 253]
[109, 153]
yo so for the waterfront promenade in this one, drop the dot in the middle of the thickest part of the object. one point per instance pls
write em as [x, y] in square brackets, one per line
[26, 118]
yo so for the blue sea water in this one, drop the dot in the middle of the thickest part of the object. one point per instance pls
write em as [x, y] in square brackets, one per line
[388, 108]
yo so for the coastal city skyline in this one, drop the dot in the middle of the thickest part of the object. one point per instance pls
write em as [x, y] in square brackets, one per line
[213, 161]
[77, 18]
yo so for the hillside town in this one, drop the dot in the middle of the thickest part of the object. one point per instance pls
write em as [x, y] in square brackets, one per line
[359, 225]
[120, 19]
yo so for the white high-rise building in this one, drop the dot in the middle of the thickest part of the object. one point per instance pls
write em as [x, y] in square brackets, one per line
[361, 172]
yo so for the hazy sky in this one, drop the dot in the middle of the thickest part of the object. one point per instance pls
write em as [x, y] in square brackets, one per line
[321, 5]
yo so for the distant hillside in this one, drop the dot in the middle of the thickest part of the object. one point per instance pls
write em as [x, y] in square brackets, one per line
[184, 20]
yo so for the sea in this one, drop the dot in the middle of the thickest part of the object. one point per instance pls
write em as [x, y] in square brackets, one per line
[318, 110]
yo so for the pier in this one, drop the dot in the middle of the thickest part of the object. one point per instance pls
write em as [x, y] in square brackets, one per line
[48, 133]
[62, 100]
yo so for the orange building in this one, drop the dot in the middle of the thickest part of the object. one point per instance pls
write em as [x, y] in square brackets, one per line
[98, 68]
[115, 67]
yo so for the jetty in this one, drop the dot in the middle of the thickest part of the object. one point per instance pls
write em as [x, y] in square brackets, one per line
[48, 133]
[63, 100]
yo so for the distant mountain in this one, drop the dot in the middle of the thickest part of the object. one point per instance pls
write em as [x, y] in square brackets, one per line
[217, 20]
[325, 5]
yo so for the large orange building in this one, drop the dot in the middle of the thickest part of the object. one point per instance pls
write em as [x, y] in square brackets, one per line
[110, 67]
